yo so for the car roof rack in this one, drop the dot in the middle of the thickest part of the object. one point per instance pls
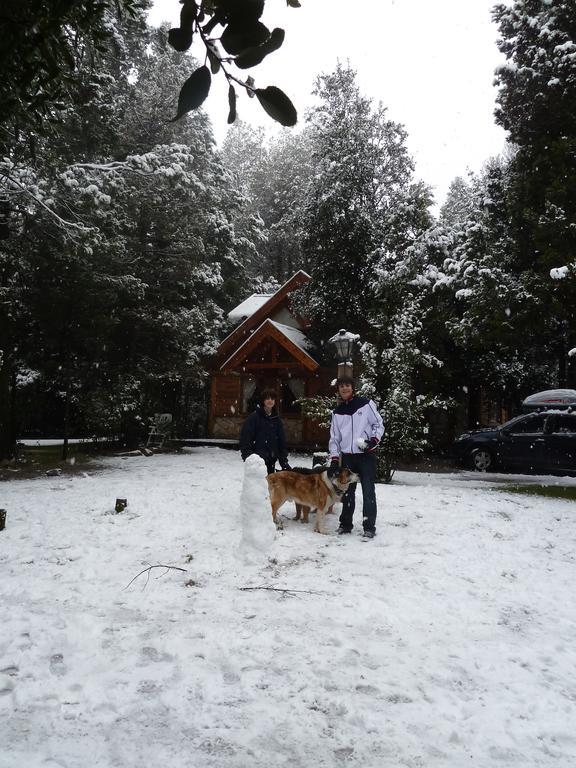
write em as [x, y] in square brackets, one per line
[551, 399]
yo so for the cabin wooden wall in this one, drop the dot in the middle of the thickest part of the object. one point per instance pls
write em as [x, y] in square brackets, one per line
[226, 417]
[225, 404]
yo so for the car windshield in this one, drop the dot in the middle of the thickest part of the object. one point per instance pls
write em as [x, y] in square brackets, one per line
[511, 423]
[528, 424]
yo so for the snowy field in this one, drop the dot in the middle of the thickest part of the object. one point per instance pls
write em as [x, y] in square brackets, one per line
[446, 641]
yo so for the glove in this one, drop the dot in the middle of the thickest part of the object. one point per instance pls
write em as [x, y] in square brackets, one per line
[371, 445]
[333, 469]
[285, 466]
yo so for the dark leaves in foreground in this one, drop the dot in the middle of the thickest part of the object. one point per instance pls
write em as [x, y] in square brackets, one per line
[277, 105]
[253, 56]
[194, 92]
[246, 42]
[180, 38]
[241, 35]
[231, 104]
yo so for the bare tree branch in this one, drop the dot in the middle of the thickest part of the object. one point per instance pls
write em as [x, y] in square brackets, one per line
[277, 589]
[148, 571]
[62, 222]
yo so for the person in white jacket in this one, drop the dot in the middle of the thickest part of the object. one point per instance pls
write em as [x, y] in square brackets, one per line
[355, 431]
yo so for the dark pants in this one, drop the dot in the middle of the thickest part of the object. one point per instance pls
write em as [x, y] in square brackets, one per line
[364, 464]
[270, 464]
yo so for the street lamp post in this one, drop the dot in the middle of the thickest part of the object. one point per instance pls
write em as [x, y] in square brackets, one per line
[344, 342]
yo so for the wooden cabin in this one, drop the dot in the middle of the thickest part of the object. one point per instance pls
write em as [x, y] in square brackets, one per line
[268, 349]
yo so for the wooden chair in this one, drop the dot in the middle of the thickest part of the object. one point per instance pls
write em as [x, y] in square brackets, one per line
[160, 430]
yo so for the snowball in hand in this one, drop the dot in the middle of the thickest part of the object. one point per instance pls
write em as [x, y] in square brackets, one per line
[361, 442]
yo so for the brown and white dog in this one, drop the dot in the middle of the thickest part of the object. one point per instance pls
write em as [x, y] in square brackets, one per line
[314, 490]
[303, 512]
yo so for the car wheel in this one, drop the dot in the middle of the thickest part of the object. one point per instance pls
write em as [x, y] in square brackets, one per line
[482, 460]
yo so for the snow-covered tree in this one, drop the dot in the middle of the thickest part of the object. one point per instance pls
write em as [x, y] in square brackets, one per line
[537, 93]
[458, 205]
[364, 224]
[491, 301]
[133, 244]
[361, 173]
[390, 375]
[282, 196]
[274, 176]
[46, 42]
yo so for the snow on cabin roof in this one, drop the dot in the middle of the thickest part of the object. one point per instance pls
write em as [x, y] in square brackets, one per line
[295, 336]
[249, 306]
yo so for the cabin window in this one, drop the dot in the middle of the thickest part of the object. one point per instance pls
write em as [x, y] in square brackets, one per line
[249, 397]
[292, 390]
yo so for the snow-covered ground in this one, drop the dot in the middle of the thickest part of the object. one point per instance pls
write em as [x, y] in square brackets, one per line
[446, 641]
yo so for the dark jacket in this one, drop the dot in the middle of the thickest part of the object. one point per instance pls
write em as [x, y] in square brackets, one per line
[263, 435]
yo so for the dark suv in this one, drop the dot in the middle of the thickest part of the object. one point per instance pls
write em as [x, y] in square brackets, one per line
[543, 442]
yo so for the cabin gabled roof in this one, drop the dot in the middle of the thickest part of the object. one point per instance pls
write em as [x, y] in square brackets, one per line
[249, 306]
[239, 335]
[293, 341]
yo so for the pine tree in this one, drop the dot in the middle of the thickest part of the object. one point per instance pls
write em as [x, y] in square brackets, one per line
[135, 246]
[392, 375]
[365, 221]
[42, 46]
[493, 300]
[274, 176]
[361, 174]
[536, 106]
[458, 205]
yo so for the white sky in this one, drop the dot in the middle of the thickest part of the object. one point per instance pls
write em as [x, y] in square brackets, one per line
[431, 62]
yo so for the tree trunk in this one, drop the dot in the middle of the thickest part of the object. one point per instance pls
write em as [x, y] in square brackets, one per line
[562, 355]
[7, 432]
[66, 425]
[571, 365]
[474, 406]
[130, 431]
[385, 467]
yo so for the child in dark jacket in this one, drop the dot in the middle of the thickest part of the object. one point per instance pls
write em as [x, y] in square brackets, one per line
[263, 433]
